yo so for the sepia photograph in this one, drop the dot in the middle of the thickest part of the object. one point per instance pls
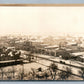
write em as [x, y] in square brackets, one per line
[42, 43]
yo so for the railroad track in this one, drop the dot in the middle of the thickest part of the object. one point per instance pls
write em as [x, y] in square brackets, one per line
[59, 62]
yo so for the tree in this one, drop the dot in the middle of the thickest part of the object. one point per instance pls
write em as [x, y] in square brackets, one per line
[46, 73]
[33, 73]
[63, 75]
[2, 72]
[30, 58]
[82, 73]
[16, 54]
[53, 70]
[13, 71]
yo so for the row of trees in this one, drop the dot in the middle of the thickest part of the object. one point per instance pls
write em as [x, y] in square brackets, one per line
[51, 73]
[9, 54]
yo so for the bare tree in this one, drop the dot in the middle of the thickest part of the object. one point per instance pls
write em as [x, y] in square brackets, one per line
[2, 72]
[53, 70]
[82, 73]
[63, 75]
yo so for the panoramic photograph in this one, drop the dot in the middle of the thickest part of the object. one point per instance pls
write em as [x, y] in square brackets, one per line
[41, 43]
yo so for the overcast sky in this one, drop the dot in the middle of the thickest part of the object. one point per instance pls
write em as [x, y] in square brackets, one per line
[25, 20]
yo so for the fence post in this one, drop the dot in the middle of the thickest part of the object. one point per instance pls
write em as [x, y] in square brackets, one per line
[22, 74]
[13, 71]
[2, 72]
